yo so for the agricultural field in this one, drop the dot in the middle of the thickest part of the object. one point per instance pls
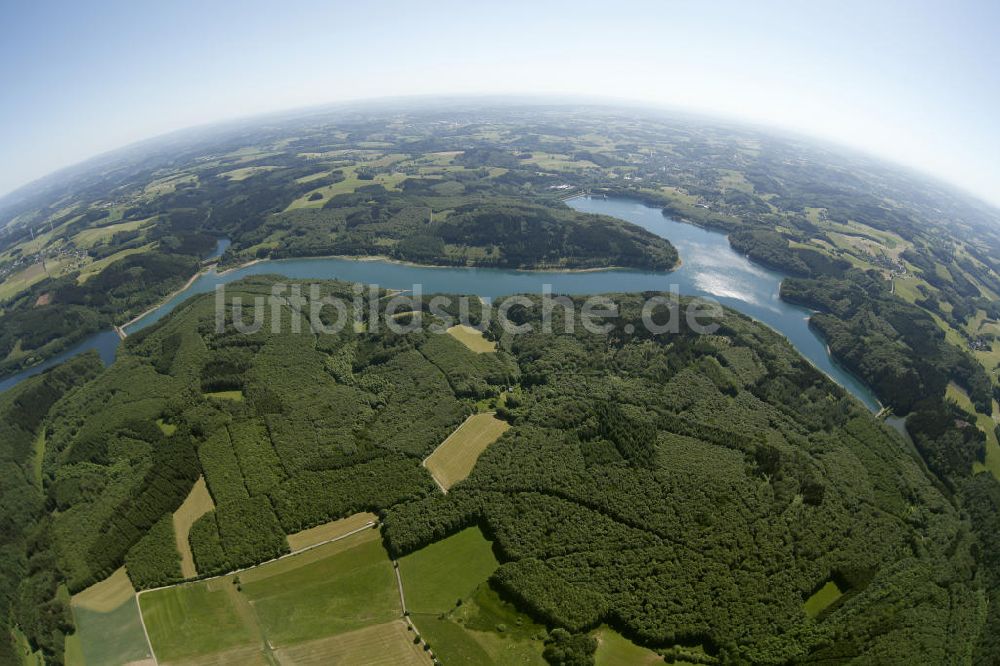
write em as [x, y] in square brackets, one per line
[236, 396]
[246, 172]
[288, 609]
[987, 424]
[388, 644]
[484, 630]
[332, 530]
[195, 620]
[350, 183]
[457, 613]
[96, 267]
[108, 627]
[352, 587]
[198, 503]
[32, 275]
[472, 338]
[438, 575]
[88, 238]
[454, 459]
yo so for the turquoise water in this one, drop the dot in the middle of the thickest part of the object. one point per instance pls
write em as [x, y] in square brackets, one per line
[710, 268]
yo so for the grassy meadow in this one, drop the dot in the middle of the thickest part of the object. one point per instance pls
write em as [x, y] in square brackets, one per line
[108, 627]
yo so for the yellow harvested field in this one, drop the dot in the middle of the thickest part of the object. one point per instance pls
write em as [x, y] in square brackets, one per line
[107, 595]
[383, 644]
[331, 530]
[472, 339]
[235, 396]
[454, 459]
[198, 503]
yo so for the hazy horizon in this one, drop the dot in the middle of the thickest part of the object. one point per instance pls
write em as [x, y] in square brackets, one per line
[910, 83]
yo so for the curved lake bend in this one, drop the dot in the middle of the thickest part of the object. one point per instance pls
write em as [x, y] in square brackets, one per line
[710, 268]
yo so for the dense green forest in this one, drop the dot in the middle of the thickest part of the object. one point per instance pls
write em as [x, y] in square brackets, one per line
[29, 575]
[686, 489]
[478, 186]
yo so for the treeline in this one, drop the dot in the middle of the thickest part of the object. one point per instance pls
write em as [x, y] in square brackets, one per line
[70, 311]
[501, 232]
[154, 561]
[29, 573]
[773, 249]
[897, 348]
[694, 490]
[172, 473]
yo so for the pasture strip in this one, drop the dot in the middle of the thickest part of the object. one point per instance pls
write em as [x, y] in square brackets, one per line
[332, 530]
[195, 505]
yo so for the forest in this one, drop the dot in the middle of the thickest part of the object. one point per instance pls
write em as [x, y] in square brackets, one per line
[685, 489]
[688, 490]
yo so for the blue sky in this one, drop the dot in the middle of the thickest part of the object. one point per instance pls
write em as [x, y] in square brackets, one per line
[916, 82]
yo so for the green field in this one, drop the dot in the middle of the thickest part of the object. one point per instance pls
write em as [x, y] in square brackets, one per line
[195, 620]
[112, 638]
[21, 281]
[437, 576]
[484, 629]
[91, 237]
[350, 183]
[822, 598]
[613, 649]
[96, 267]
[347, 590]
[278, 610]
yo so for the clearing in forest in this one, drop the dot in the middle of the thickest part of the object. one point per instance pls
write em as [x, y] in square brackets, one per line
[472, 338]
[198, 503]
[454, 459]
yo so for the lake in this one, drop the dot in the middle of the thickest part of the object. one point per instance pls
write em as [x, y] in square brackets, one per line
[710, 268]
